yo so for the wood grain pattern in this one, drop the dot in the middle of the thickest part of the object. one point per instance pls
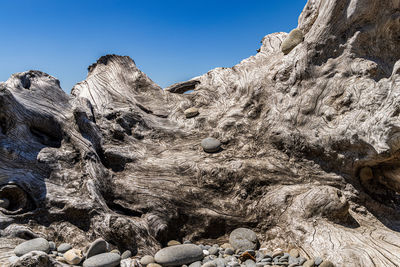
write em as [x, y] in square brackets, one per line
[119, 159]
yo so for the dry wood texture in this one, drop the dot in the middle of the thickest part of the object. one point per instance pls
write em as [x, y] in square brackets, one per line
[119, 159]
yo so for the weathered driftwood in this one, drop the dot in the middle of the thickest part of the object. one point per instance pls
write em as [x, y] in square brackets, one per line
[119, 159]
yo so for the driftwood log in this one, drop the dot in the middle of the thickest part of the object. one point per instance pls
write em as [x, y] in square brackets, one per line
[310, 147]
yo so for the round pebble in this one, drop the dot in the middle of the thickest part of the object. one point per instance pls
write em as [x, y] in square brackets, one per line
[209, 264]
[317, 261]
[127, 254]
[250, 263]
[98, 246]
[52, 246]
[38, 244]
[179, 255]
[147, 260]
[64, 247]
[244, 239]
[153, 265]
[73, 256]
[211, 145]
[103, 260]
[213, 250]
[229, 251]
[206, 252]
[191, 112]
[301, 260]
[226, 245]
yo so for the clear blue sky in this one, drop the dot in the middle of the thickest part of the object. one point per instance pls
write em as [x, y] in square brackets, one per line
[170, 41]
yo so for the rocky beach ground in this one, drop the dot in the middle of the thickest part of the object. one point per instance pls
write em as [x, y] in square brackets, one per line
[242, 250]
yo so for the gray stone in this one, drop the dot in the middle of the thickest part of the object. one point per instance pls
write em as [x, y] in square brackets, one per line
[52, 246]
[294, 38]
[213, 251]
[64, 247]
[37, 244]
[103, 260]
[301, 260]
[244, 239]
[191, 112]
[250, 263]
[98, 246]
[195, 264]
[293, 260]
[127, 254]
[146, 260]
[179, 255]
[220, 262]
[187, 242]
[209, 264]
[229, 251]
[317, 261]
[207, 247]
[211, 145]
[73, 256]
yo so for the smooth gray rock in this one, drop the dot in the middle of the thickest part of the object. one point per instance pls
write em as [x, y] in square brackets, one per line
[195, 264]
[103, 260]
[211, 145]
[318, 261]
[179, 255]
[128, 254]
[294, 38]
[52, 245]
[229, 251]
[146, 260]
[220, 262]
[213, 250]
[98, 246]
[64, 247]
[209, 264]
[250, 263]
[191, 112]
[37, 244]
[243, 239]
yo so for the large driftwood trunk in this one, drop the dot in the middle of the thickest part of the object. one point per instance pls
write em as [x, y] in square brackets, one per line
[117, 158]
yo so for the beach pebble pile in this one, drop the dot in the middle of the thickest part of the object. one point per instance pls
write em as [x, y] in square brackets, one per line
[241, 251]
[98, 254]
